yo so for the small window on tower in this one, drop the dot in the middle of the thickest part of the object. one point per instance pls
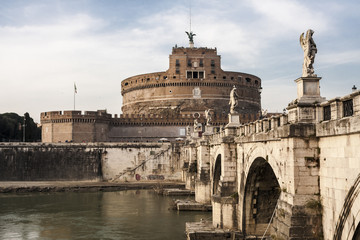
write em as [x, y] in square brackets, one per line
[189, 63]
[177, 63]
[188, 74]
[201, 74]
[201, 63]
[213, 63]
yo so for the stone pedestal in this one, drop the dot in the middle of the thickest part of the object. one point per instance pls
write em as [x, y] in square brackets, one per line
[209, 130]
[303, 109]
[234, 120]
[308, 90]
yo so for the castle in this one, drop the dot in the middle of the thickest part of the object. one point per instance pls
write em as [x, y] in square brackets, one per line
[163, 104]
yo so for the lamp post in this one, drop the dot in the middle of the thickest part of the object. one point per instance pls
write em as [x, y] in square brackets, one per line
[23, 127]
[260, 111]
[354, 88]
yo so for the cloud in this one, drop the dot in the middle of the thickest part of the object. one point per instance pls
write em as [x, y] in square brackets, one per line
[40, 59]
[283, 16]
[339, 58]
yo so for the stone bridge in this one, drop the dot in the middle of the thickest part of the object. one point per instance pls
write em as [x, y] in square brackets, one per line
[290, 176]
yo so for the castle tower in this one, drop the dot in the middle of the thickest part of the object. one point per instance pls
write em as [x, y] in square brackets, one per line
[193, 83]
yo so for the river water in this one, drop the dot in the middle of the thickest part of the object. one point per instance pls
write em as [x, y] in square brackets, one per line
[135, 214]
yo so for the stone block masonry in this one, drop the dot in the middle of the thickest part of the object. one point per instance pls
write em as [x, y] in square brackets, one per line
[35, 162]
[95, 162]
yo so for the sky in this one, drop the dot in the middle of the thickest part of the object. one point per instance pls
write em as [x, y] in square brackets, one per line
[48, 45]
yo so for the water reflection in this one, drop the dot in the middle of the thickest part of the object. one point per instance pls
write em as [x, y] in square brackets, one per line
[109, 215]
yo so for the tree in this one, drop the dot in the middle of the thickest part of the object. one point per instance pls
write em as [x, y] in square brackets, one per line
[11, 128]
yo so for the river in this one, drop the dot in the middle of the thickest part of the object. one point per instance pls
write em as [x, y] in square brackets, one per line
[134, 214]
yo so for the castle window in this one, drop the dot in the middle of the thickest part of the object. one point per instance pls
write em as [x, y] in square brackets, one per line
[189, 63]
[177, 72]
[248, 80]
[256, 82]
[174, 77]
[212, 63]
[201, 74]
[177, 63]
[125, 84]
[201, 63]
[214, 76]
[232, 78]
[165, 77]
[195, 74]
[224, 77]
[188, 74]
[212, 71]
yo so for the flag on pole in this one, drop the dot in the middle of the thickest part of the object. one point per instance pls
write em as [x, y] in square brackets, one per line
[75, 89]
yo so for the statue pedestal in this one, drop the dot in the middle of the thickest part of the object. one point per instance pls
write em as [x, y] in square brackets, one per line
[234, 120]
[308, 90]
[303, 109]
[209, 130]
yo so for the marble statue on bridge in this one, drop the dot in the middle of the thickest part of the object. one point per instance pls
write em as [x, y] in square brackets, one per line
[308, 45]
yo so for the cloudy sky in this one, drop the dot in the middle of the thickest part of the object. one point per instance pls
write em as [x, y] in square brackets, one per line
[47, 45]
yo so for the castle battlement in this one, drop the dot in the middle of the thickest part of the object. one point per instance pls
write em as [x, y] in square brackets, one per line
[74, 116]
[194, 50]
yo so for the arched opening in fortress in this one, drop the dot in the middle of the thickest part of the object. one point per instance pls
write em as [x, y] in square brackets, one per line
[217, 174]
[357, 233]
[262, 192]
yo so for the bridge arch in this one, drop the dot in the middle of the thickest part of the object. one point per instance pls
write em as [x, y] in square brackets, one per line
[216, 161]
[348, 223]
[262, 191]
[357, 233]
[216, 175]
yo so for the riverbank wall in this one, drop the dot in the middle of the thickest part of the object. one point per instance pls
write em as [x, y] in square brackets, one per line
[89, 162]
[84, 186]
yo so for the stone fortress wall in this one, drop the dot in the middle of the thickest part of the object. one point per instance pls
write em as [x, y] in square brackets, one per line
[99, 126]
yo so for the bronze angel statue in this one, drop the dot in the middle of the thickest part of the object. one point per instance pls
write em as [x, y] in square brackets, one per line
[308, 45]
[191, 36]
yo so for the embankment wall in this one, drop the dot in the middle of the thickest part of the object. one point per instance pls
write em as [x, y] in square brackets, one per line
[97, 161]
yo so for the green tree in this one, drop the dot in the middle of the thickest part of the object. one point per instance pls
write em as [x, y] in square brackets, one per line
[11, 128]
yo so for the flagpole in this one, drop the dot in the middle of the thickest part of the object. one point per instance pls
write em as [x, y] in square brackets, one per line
[75, 90]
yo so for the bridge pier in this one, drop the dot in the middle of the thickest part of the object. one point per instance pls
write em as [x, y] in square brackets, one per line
[202, 181]
[190, 166]
[224, 184]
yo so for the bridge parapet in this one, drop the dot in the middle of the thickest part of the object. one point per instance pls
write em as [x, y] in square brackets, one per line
[339, 116]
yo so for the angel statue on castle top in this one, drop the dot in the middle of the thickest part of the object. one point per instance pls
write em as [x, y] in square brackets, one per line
[191, 36]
